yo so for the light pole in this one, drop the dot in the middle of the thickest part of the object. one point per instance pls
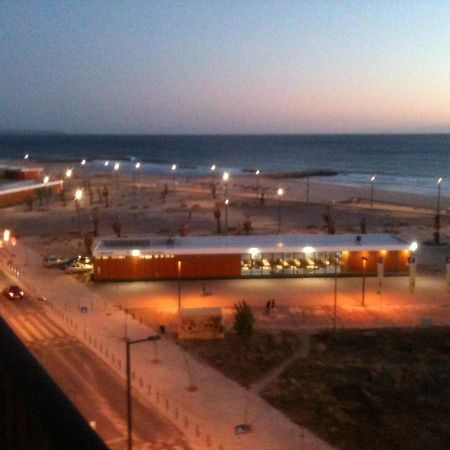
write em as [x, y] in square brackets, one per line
[174, 168]
[225, 178]
[77, 199]
[129, 406]
[179, 283]
[213, 172]
[116, 169]
[47, 194]
[364, 261]
[372, 187]
[83, 165]
[335, 290]
[135, 177]
[280, 193]
[257, 182]
[226, 215]
[438, 204]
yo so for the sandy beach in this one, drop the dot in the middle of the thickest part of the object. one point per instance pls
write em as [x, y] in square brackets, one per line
[165, 205]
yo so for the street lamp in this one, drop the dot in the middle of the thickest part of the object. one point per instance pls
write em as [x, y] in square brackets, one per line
[26, 156]
[438, 205]
[116, 169]
[257, 182]
[364, 262]
[372, 186]
[179, 283]
[336, 256]
[280, 193]
[225, 178]
[226, 215]
[135, 178]
[77, 199]
[129, 343]
[106, 163]
[47, 194]
[174, 168]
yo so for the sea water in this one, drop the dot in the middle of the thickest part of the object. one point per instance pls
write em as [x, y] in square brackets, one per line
[405, 162]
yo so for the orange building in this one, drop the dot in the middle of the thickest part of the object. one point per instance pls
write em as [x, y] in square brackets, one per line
[22, 191]
[203, 257]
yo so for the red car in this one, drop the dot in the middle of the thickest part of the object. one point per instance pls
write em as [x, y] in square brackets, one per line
[13, 292]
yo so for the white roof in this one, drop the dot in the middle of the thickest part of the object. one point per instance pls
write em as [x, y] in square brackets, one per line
[201, 245]
[9, 188]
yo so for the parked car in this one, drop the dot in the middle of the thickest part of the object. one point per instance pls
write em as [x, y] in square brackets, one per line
[13, 292]
[76, 259]
[79, 267]
[54, 261]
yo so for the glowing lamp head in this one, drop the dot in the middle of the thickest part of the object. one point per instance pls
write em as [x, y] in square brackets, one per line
[254, 252]
[227, 202]
[225, 176]
[280, 192]
[372, 179]
[83, 162]
[257, 172]
[6, 235]
[174, 167]
[78, 194]
[116, 166]
[439, 181]
[68, 173]
[46, 179]
[414, 246]
[308, 250]
[213, 167]
[106, 163]
[138, 164]
[135, 252]
[26, 156]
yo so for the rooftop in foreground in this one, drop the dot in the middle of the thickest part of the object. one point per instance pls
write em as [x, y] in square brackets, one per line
[190, 245]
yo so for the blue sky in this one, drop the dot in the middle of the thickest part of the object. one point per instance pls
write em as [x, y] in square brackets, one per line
[225, 66]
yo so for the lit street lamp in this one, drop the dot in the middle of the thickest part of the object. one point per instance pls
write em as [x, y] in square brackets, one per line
[116, 169]
[77, 199]
[135, 178]
[364, 262]
[46, 190]
[225, 178]
[179, 283]
[372, 186]
[257, 182]
[226, 215]
[129, 343]
[438, 205]
[280, 193]
[336, 255]
[174, 168]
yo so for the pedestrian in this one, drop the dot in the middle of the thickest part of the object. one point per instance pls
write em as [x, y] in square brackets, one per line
[272, 304]
[268, 306]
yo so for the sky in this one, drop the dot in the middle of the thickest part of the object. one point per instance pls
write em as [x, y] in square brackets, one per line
[222, 66]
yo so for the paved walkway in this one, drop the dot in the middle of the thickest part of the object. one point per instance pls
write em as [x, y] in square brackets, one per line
[162, 373]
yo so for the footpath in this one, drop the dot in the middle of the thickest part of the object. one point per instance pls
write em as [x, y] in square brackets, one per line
[200, 401]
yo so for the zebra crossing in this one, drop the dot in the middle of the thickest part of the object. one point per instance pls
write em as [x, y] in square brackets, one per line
[32, 325]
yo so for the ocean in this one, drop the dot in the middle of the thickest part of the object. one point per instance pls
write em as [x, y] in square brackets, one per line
[404, 162]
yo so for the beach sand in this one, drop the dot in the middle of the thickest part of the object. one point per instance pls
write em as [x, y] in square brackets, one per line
[189, 204]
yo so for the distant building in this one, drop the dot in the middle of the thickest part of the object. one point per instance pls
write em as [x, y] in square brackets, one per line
[22, 191]
[270, 256]
[21, 173]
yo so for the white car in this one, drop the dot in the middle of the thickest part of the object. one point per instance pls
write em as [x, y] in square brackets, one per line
[78, 267]
[54, 261]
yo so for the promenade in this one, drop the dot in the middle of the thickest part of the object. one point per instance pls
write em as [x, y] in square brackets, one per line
[203, 403]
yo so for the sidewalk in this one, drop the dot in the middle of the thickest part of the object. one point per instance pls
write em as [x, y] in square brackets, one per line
[204, 404]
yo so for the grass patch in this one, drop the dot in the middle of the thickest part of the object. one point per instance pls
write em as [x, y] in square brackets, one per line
[384, 389]
[245, 361]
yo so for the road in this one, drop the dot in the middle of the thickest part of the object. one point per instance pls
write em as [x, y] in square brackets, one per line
[90, 384]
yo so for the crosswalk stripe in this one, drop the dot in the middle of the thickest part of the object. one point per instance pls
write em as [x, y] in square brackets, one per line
[54, 327]
[31, 329]
[47, 334]
[21, 331]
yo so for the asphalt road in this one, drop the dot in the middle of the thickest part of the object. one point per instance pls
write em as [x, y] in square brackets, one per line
[97, 391]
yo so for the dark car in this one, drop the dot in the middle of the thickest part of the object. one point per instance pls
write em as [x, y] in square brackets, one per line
[13, 292]
[76, 259]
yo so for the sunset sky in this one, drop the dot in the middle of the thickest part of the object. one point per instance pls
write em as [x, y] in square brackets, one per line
[225, 66]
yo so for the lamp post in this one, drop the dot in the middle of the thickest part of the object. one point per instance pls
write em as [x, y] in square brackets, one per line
[280, 193]
[257, 182]
[179, 283]
[77, 199]
[372, 187]
[83, 165]
[335, 290]
[226, 215]
[225, 178]
[213, 171]
[129, 343]
[364, 262]
[68, 176]
[135, 179]
[174, 168]
[116, 169]
[47, 194]
[438, 204]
